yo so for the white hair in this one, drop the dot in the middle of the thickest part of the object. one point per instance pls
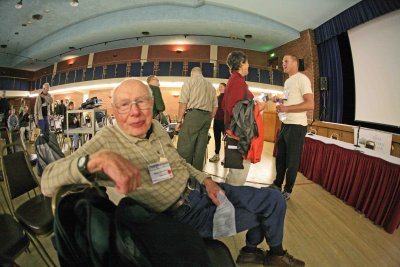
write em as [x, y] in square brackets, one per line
[128, 79]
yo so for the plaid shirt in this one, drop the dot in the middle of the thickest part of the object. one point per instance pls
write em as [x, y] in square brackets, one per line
[139, 152]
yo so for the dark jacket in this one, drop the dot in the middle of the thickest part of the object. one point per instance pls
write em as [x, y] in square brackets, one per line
[158, 100]
[243, 124]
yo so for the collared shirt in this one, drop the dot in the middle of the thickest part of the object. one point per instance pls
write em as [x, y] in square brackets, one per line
[198, 93]
[140, 152]
[236, 90]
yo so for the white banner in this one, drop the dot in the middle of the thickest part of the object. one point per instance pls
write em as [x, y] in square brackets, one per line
[381, 141]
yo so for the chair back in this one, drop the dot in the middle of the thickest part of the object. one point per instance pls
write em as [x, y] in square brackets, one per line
[335, 136]
[4, 133]
[17, 172]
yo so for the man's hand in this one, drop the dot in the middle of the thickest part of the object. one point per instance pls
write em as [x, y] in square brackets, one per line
[281, 108]
[212, 190]
[125, 175]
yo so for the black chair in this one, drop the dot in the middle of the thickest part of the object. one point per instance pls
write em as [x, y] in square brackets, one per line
[13, 239]
[35, 213]
[219, 253]
[5, 135]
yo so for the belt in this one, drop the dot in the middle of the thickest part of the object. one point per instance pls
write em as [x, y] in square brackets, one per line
[202, 110]
[190, 186]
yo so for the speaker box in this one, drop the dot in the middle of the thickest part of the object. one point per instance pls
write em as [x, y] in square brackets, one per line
[301, 64]
[323, 83]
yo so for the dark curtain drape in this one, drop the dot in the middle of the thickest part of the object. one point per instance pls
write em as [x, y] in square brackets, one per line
[331, 67]
[335, 53]
[354, 16]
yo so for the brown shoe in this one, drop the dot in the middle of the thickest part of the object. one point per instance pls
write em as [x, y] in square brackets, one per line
[286, 260]
[256, 257]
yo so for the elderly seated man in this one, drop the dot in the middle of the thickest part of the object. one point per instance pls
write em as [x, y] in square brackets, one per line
[140, 160]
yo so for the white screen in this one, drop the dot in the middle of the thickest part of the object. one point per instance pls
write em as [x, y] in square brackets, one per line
[376, 58]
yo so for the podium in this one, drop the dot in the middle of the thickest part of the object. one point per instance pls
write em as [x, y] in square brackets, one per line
[271, 124]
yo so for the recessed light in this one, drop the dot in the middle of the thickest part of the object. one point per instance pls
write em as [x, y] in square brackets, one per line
[29, 22]
[16, 33]
[74, 3]
[3, 46]
[46, 11]
[145, 33]
[24, 25]
[248, 36]
[19, 5]
[71, 47]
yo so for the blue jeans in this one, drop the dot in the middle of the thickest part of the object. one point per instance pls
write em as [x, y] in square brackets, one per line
[44, 125]
[260, 211]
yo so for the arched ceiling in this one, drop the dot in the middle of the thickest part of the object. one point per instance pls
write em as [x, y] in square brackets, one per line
[98, 25]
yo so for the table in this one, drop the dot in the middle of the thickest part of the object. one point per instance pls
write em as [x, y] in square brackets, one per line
[363, 178]
[84, 130]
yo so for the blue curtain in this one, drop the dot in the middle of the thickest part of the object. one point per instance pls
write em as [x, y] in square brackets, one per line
[354, 16]
[330, 66]
[333, 53]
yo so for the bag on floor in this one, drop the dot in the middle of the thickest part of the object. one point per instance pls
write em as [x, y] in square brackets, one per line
[91, 231]
[233, 158]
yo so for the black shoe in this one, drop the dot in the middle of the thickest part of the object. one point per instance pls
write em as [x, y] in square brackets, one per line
[255, 257]
[286, 260]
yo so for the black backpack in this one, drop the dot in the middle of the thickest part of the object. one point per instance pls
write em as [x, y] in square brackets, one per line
[48, 150]
[91, 231]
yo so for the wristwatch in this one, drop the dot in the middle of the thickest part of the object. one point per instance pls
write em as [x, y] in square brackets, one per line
[82, 167]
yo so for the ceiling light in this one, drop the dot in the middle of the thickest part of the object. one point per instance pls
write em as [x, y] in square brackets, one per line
[19, 5]
[74, 3]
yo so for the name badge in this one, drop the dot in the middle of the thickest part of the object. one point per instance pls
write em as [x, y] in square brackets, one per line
[160, 171]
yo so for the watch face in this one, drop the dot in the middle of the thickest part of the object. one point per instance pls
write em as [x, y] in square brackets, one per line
[81, 161]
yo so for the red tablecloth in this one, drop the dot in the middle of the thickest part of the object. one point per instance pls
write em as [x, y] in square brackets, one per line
[368, 183]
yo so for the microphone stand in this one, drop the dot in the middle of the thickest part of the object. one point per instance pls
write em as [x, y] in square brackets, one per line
[358, 136]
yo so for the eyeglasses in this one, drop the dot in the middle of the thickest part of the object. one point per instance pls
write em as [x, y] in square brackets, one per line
[141, 103]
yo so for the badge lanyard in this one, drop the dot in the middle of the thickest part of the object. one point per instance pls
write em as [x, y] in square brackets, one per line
[161, 170]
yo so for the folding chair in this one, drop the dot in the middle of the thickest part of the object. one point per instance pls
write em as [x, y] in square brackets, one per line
[219, 253]
[35, 213]
[13, 240]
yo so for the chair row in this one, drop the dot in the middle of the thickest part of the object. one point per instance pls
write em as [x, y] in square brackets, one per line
[27, 221]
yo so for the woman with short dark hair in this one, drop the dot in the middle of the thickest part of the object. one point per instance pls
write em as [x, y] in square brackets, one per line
[235, 91]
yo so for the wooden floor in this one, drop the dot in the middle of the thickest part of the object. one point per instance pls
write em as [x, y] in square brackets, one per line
[319, 228]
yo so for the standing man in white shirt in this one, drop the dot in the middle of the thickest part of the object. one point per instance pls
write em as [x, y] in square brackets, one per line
[298, 99]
